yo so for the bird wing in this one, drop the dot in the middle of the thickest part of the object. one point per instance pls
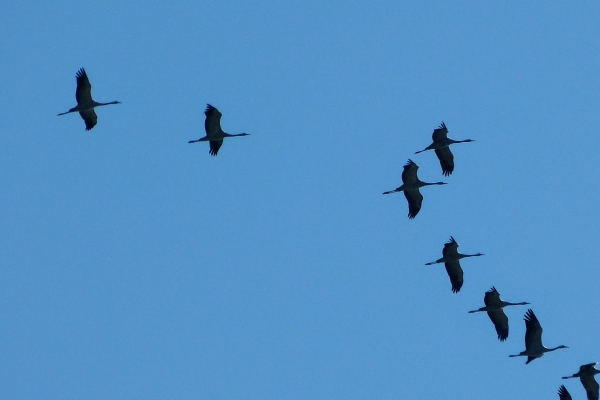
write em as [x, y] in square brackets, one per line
[492, 297]
[90, 118]
[589, 368]
[500, 321]
[590, 385]
[563, 393]
[409, 174]
[440, 134]
[83, 94]
[212, 124]
[415, 199]
[450, 247]
[215, 145]
[446, 160]
[533, 333]
[455, 273]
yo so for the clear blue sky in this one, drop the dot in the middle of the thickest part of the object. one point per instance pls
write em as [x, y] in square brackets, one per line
[135, 265]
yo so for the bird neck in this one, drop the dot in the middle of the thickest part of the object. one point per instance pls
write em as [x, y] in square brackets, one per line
[460, 141]
[506, 303]
[106, 104]
[468, 255]
[431, 183]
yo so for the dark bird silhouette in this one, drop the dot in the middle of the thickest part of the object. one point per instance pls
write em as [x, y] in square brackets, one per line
[586, 376]
[441, 145]
[214, 133]
[494, 306]
[563, 393]
[410, 187]
[451, 259]
[85, 103]
[533, 339]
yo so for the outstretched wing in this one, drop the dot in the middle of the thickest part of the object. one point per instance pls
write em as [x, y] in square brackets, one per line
[492, 298]
[446, 160]
[455, 273]
[590, 385]
[83, 94]
[450, 248]
[440, 134]
[90, 118]
[215, 145]
[415, 199]
[500, 321]
[563, 393]
[409, 174]
[533, 333]
[212, 124]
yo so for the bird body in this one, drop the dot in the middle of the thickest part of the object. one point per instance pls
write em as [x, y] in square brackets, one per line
[451, 259]
[586, 376]
[493, 307]
[440, 145]
[533, 339]
[85, 104]
[214, 133]
[410, 186]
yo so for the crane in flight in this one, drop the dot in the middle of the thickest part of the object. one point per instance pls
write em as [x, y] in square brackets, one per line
[85, 104]
[533, 339]
[494, 306]
[214, 133]
[451, 259]
[586, 376]
[441, 145]
[410, 186]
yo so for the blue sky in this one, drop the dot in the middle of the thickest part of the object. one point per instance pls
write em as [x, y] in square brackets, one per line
[135, 265]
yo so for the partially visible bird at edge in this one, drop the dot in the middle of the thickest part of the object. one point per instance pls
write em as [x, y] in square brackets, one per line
[494, 306]
[586, 376]
[441, 145]
[563, 393]
[450, 258]
[214, 133]
[410, 186]
[85, 103]
[533, 339]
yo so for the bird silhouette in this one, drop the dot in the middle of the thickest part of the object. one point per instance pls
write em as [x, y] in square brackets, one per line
[214, 133]
[441, 145]
[410, 186]
[533, 339]
[494, 306]
[451, 259]
[85, 104]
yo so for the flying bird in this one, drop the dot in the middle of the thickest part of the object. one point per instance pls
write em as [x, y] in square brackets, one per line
[441, 145]
[563, 393]
[85, 103]
[586, 376]
[410, 187]
[214, 133]
[494, 306]
[533, 339]
[451, 258]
